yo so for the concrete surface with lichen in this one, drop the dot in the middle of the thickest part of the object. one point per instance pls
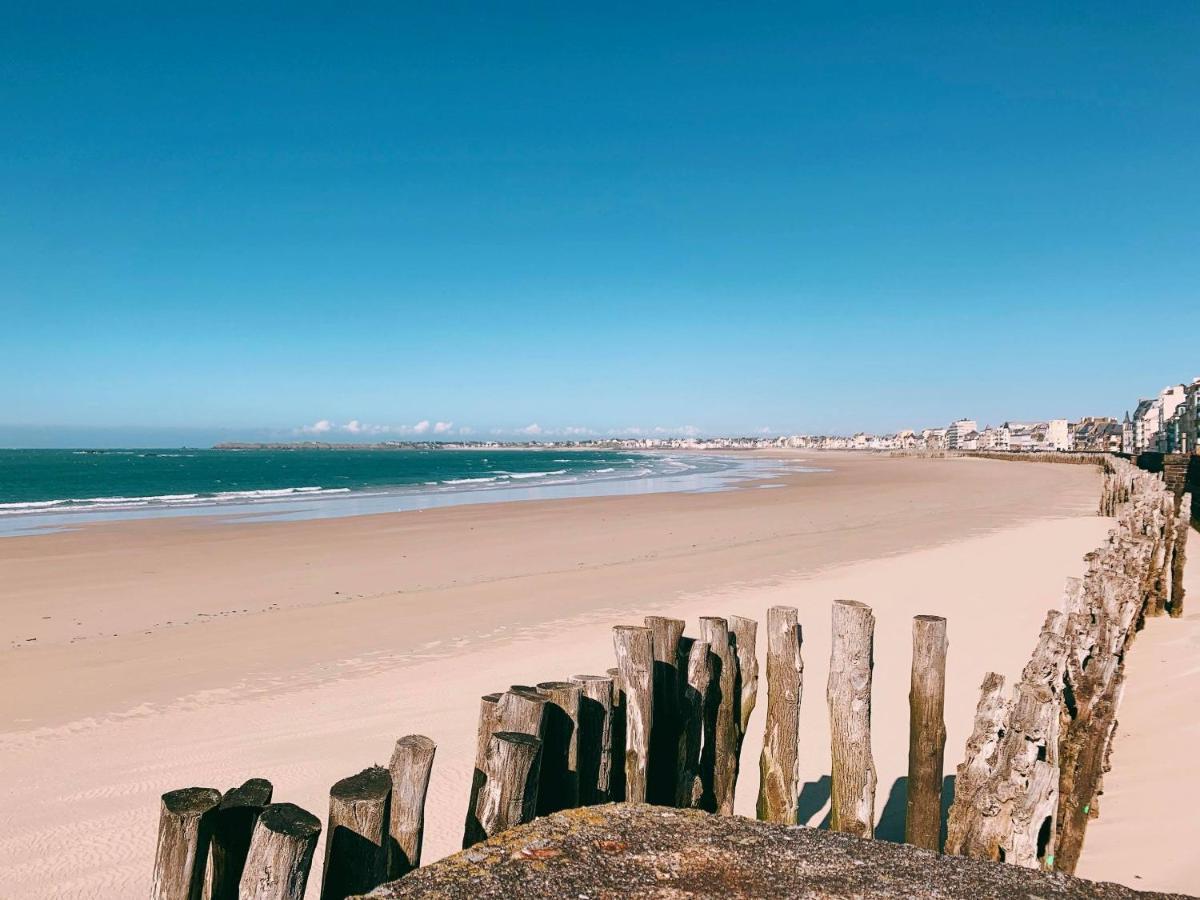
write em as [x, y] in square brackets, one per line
[628, 850]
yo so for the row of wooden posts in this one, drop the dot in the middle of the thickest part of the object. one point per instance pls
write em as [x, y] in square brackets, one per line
[1035, 761]
[666, 726]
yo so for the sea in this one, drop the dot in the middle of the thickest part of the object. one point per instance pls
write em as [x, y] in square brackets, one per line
[49, 490]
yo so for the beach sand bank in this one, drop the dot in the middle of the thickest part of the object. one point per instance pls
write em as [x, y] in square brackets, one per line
[174, 653]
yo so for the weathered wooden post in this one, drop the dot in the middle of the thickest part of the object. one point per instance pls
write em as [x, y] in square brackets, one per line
[714, 631]
[233, 826]
[635, 661]
[559, 780]
[779, 765]
[745, 639]
[356, 837]
[595, 738]
[694, 708]
[489, 723]
[185, 824]
[509, 796]
[410, 766]
[280, 855]
[523, 708]
[617, 774]
[852, 782]
[926, 733]
[663, 773]
[1183, 524]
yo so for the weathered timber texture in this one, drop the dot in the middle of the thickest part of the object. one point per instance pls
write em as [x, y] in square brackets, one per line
[745, 640]
[779, 765]
[1179, 557]
[617, 774]
[185, 825]
[489, 724]
[1006, 792]
[523, 708]
[559, 781]
[410, 766]
[509, 797]
[663, 776]
[608, 852]
[233, 826]
[635, 661]
[281, 854]
[721, 752]
[852, 778]
[356, 836]
[694, 781]
[595, 738]
[926, 733]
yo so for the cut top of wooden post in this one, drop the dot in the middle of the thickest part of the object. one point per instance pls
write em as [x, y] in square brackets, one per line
[183, 836]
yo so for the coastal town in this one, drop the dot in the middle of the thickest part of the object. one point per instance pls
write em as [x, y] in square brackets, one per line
[1166, 423]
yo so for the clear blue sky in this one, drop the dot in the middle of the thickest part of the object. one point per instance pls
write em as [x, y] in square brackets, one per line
[237, 220]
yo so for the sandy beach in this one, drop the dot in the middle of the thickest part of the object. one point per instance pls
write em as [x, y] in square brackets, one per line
[152, 655]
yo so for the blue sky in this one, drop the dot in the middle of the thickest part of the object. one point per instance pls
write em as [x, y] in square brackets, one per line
[241, 220]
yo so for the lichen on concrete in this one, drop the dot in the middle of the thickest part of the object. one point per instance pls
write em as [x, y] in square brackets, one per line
[634, 850]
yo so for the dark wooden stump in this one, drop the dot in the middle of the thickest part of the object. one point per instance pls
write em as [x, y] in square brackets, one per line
[410, 767]
[926, 733]
[280, 855]
[233, 826]
[185, 825]
[356, 837]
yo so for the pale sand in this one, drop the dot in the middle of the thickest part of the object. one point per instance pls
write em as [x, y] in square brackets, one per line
[1148, 829]
[359, 630]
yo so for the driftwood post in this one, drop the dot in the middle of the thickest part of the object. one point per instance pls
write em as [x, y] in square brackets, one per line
[411, 764]
[852, 782]
[745, 639]
[663, 773]
[185, 824]
[926, 733]
[509, 796]
[714, 631]
[280, 855]
[355, 839]
[233, 826]
[595, 738]
[1183, 524]
[489, 722]
[523, 708]
[616, 782]
[559, 780]
[779, 765]
[635, 661]
[694, 781]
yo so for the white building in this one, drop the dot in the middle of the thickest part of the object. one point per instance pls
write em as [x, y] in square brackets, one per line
[958, 430]
[1058, 434]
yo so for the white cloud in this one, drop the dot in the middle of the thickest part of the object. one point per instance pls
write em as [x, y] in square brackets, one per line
[421, 427]
[319, 427]
[465, 429]
[353, 426]
[533, 428]
[358, 427]
[766, 429]
[442, 427]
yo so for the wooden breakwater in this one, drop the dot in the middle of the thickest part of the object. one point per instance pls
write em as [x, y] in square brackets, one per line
[666, 725]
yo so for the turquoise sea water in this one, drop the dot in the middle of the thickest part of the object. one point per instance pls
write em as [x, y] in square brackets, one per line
[51, 489]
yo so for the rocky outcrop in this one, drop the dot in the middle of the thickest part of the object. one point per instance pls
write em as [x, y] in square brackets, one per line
[627, 850]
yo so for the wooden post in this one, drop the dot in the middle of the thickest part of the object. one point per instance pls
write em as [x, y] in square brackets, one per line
[559, 781]
[745, 638]
[852, 783]
[489, 722]
[617, 773]
[779, 765]
[185, 824]
[926, 733]
[523, 708]
[280, 855]
[509, 796]
[233, 826]
[695, 778]
[1183, 524]
[411, 764]
[664, 733]
[714, 631]
[595, 738]
[635, 661]
[355, 839]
